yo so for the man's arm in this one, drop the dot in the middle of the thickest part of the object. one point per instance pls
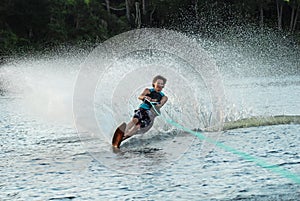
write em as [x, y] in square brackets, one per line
[163, 100]
[144, 95]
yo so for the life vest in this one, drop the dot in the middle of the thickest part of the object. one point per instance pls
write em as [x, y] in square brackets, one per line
[153, 95]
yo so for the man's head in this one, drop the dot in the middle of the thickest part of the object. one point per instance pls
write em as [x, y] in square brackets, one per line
[159, 82]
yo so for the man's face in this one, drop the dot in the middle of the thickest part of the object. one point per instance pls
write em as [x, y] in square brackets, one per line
[159, 85]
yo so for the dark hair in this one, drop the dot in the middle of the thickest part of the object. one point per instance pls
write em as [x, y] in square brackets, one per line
[159, 77]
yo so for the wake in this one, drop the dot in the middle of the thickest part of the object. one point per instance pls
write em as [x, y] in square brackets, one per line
[261, 121]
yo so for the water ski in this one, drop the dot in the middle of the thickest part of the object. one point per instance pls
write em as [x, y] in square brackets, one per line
[118, 135]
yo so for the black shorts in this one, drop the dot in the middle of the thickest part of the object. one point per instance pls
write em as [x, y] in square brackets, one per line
[143, 116]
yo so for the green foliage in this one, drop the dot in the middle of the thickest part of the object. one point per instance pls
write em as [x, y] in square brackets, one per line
[8, 39]
[40, 23]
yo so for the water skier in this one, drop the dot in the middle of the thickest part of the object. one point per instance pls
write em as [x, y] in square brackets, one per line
[150, 96]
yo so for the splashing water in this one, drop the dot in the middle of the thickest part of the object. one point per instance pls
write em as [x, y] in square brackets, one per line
[118, 70]
[43, 86]
[109, 80]
[46, 84]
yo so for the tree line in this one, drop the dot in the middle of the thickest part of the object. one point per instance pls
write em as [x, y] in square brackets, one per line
[37, 24]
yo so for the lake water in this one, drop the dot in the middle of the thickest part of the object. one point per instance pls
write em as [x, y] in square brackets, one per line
[55, 133]
[41, 160]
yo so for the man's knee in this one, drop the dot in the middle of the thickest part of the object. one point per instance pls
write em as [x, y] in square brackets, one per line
[135, 120]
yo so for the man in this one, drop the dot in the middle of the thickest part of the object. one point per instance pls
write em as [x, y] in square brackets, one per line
[150, 96]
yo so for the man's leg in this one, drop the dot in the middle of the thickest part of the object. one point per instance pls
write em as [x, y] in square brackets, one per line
[132, 131]
[131, 128]
[129, 125]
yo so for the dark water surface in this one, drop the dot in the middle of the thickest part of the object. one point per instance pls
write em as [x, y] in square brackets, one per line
[40, 161]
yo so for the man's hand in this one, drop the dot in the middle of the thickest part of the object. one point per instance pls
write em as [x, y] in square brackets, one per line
[158, 106]
[150, 99]
[147, 98]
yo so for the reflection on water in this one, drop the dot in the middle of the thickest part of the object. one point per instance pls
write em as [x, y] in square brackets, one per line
[41, 160]
[47, 162]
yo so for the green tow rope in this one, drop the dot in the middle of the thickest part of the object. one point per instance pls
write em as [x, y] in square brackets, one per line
[274, 168]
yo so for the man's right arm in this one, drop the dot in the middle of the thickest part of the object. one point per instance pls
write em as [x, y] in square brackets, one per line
[144, 95]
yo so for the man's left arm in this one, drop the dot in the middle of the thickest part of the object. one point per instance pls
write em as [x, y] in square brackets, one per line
[163, 100]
